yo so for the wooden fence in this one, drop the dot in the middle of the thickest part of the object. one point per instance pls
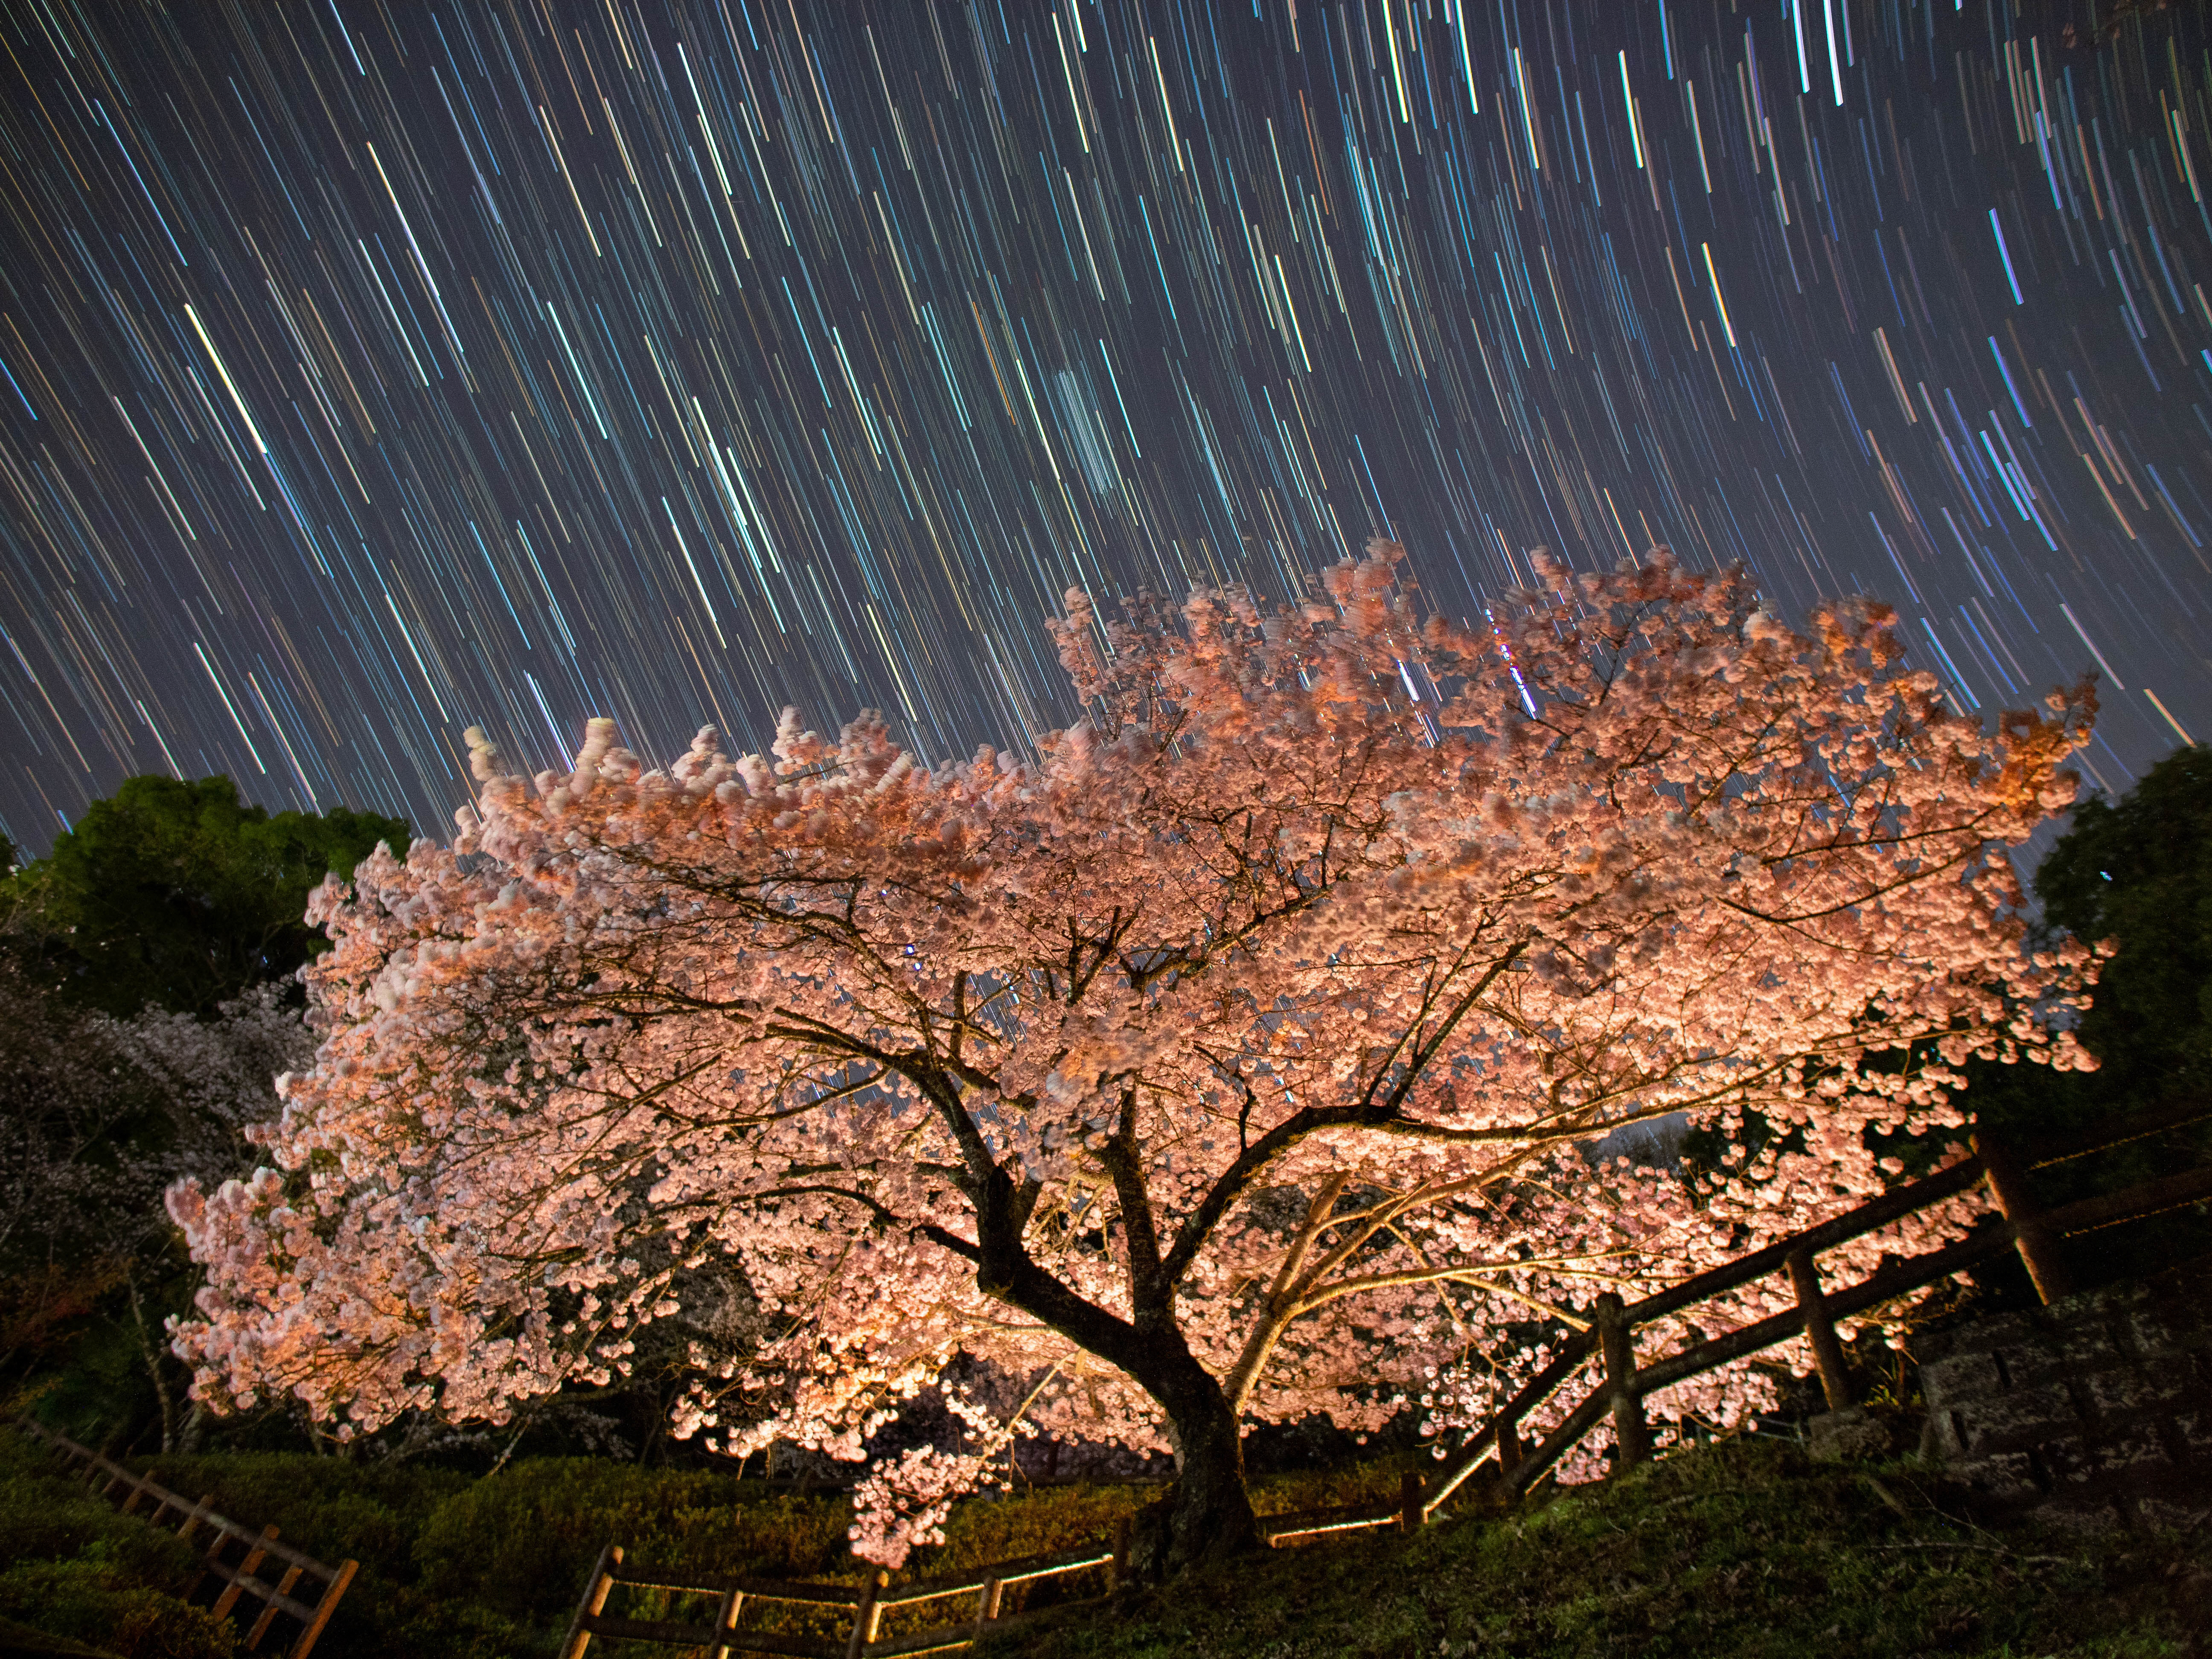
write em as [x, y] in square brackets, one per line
[2036, 1234]
[240, 1578]
[869, 1601]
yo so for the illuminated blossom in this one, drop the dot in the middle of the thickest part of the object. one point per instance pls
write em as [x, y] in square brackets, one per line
[1236, 1060]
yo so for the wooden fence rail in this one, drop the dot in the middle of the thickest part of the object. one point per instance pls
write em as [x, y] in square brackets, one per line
[869, 1601]
[242, 1578]
[2036, 1234]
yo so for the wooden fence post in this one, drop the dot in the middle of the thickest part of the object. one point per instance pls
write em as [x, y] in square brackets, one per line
[988, 1608]
[254, 1557]
[1409, 1501]
[190, 1524]
[1617, 1344]
[1820, 1328]
[866, 1615]
[137, 1493]
[1508, 1435]
[268, 1610]
[725, 1623]
[328, 1605]
[1117, 1570]
[2041, 1250]
[595, 1597]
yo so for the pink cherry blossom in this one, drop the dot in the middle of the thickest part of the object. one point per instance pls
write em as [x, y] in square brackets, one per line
[1235, 1060]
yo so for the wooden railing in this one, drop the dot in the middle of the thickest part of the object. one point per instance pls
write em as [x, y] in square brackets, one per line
[128, 1490]
[2022, 1225]
[720, 1636]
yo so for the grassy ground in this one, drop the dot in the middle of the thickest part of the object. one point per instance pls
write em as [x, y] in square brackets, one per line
[1736, 1552]
[1739, 1550]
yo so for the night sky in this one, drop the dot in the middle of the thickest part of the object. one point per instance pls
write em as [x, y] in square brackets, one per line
[376, 367]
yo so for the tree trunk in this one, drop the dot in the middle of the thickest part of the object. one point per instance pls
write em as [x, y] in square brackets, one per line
[1206, 1515]
[151, 1352]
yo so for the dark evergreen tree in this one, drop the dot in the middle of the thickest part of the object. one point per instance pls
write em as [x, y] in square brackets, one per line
[2136, 872]
[181, 895]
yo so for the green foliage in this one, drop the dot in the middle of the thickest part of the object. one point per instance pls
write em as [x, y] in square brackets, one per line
[99, 1381]
[545, 1522]
[181, 895]
[170, 894]
[1735, 1552]
[2140, 872]
[375, 1514]
[44, 1310]
[460, 1567]
[454, 1567]
[1039, 1522]
[89, 1599]
[79, 1571]
[2136, 872]
[1739, 1551]
[21, 1642]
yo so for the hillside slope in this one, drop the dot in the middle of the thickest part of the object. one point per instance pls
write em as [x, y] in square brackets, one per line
[1736, 1552]
[1739, 1550]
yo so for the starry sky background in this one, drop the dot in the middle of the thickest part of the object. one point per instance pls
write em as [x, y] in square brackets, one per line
[379, 366]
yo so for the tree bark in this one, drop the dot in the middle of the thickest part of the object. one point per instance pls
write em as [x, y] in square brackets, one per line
[152, 1353]
[1206, 1515]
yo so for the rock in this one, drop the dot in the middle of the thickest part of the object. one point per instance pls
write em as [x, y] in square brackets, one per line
[2091, 1414]
[1852, 1432]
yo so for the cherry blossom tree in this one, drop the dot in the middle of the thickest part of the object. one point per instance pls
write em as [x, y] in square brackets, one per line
[99, 1115]
[1240, 1058]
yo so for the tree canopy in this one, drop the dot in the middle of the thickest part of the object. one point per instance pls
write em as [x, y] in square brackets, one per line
[181, 895]
[2134, 878]
[2139, 872]
[143, 975]
[1239, 1059]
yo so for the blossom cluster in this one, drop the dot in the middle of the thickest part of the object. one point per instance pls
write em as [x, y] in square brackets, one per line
[1263, 1023]
[99, 1115]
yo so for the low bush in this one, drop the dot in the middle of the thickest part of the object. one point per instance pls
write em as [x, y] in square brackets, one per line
[458, 1566]
[76, 1569]
[1739, 1550]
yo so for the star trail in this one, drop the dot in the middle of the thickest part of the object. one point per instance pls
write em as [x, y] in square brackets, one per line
[374, 369]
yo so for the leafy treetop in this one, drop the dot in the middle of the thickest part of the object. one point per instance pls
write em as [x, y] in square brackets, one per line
[2133, 876]
[181, 895]
[2139, 872]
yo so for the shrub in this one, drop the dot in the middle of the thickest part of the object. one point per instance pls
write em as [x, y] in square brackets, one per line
[457, 1566]
[77, 1569]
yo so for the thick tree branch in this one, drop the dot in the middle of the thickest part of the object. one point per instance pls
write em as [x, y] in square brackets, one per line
[1254, 1160]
